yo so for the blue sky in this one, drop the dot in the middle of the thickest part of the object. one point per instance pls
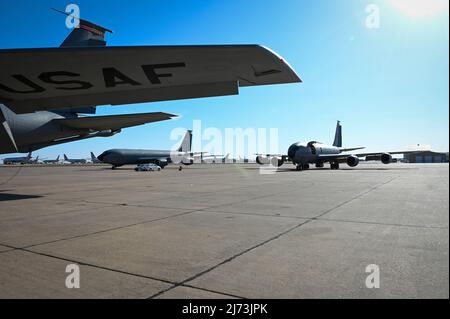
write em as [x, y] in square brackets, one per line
[388, 86]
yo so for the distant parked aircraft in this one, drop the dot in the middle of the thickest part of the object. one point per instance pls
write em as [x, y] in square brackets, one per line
[74, 160]
[55, 161]
[94, 159]
[18, 160]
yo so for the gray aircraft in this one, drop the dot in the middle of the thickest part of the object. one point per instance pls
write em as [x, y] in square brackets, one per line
[74, 160]
[94, 159]
[45, 91]
[120, 157]
[55, 161]
[303, 154]
[18, 160]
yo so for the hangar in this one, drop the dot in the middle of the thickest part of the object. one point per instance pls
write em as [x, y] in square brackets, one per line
[426, 157]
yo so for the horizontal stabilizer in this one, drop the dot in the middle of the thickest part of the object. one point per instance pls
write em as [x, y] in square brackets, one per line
[113, 122]
[44, 79]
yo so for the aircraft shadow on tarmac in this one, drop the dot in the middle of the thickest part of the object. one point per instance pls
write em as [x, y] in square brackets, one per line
[4, 197]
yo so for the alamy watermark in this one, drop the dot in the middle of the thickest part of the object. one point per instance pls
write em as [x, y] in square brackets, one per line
[373, 279]
[373, 19]
[73, 279]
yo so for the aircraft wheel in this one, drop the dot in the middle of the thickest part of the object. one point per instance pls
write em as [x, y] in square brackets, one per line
[306, 166]
[334, 165]
[113, 167]
[299, 167]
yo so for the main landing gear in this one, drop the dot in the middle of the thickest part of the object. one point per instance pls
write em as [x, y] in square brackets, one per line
[334, 165]
[301, 166]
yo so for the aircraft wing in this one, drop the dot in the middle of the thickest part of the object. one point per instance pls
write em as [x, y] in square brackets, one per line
[333, 157]
[114, 122]
[73, 77]
[341, 157]
[392, 153]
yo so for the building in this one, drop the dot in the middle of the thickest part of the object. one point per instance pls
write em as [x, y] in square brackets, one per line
[426, 157]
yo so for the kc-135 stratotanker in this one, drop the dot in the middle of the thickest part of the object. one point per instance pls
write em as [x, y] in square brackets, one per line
[45, 93]
[303, 154]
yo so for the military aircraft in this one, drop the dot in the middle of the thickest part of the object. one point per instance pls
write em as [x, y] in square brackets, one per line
[45, 91]
[74, 160]
[55, 161]
[303, 154]
[94, 159]
[18, 160]
[120, 157]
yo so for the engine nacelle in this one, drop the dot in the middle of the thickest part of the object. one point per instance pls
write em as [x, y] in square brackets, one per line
[386, 158]
[276, 161]
[107, 133]
[262, 160]
[352, 161]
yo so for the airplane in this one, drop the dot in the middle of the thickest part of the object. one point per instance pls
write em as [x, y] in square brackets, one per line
[55, 161]
[74, 160]
[120, 157]
[18, 160]
[94, 159]
[46, 93]
[303, 154]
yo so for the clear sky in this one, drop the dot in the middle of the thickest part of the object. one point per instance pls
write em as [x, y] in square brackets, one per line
[388, 85]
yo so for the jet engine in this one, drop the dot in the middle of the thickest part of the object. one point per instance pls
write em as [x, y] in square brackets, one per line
[276, 161]
[107, 133]
[352, 161]
[386, 158]
[262, 160]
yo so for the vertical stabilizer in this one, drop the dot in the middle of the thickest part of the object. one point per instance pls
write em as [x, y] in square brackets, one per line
[86, 34]
[338, 135]
[186, 143]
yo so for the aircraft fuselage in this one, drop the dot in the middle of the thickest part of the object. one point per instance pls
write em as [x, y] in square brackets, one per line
[308, 153]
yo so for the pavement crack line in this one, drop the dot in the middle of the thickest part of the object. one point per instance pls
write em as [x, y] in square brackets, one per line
[149, 221]
[229, 259]
[81, 263]
[184, 283]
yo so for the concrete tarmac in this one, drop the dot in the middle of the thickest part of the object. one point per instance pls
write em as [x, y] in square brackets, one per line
[225, 231]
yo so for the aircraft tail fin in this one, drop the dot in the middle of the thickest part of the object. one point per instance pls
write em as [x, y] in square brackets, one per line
[93, 157]
[57, 158]
[86, 34]
[29, 155]
[338, 135]
[65, 157]
[186, 143]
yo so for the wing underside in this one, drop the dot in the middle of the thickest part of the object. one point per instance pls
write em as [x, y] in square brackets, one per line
[114, 122]
[43, 79]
